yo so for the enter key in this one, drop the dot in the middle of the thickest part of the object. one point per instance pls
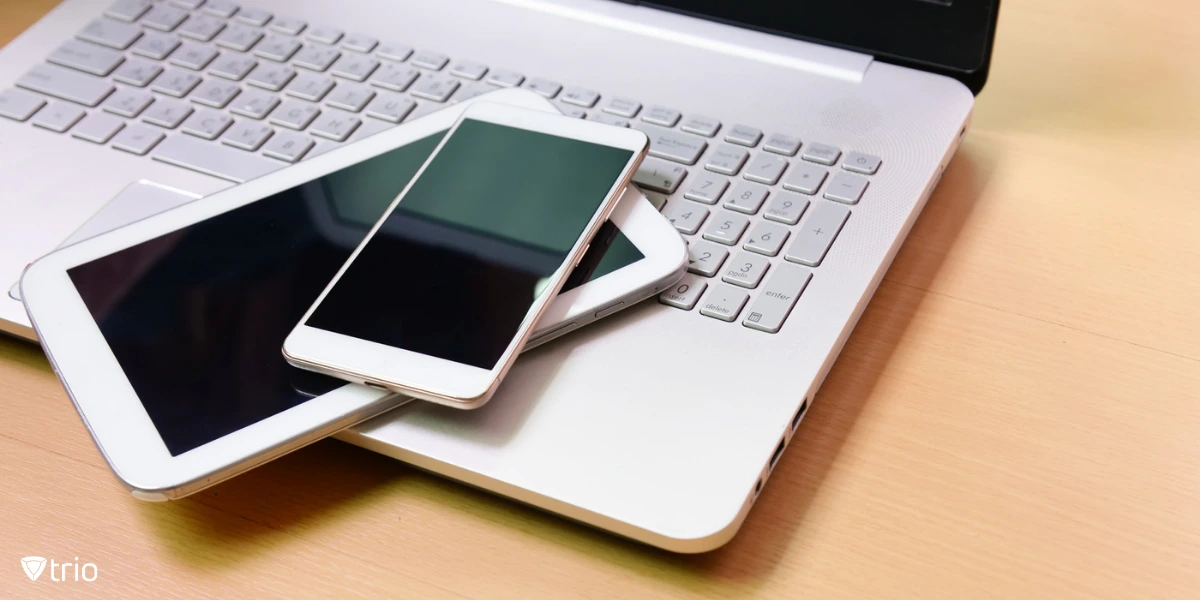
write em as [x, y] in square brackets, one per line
[775, 302]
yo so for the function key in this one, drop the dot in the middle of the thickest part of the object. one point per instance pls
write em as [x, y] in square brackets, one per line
[580, 97]
[743, 135]
[359, 43]
[468, 69]
[782, 143]
[623, 107]
[394, 51]
[701, 125]
[661, 115]
[113, 34]
[505, 78]
[821, 153]
[188, 4]
[128, 10]
[220, 8]
[288, 25]
[544, 87]
[861, 163]
[430, 60]
[254, 16]
[164, 17]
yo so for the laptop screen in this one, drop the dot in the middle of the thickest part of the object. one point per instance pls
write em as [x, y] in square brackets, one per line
[952, 37]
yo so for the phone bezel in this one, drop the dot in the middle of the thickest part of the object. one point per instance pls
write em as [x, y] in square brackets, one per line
[110, 408]
[439, 380]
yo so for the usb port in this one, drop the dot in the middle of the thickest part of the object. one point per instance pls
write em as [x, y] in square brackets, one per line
[799, 415]
[778, 453]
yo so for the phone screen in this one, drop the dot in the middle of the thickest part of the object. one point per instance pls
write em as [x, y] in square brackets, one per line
[454, 270]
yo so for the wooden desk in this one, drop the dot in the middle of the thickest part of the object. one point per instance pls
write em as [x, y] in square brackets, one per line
[1017, 414]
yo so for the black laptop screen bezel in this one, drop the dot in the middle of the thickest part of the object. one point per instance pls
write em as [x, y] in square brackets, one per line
[949, 37]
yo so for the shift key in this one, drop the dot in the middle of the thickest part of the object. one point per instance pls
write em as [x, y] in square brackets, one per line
[66, 84]
[775, 302]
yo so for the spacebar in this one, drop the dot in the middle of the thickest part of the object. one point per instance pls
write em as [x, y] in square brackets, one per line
[213, 159]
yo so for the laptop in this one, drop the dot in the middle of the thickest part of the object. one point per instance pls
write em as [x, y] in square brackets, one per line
[793, 147]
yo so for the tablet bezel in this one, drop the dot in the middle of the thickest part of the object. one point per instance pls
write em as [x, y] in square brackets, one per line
[110, 408]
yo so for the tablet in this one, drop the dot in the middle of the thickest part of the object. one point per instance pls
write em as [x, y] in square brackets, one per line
[166, 333]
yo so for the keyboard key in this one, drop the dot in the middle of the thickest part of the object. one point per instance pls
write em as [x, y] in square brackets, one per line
[726, 228]
[164, 18]
[395, 77]
[786, 207]
[545, 87]
[775, 303]
[571, 111]
[394, 51]
[727, 160]
[505, 78]
[247, 135]
[436, 88]
[580, 97]
[127, 103]
[254, 16]
[746, 197]
[679, 147]
[660, 176]
[325, 35]
[294, 115]
[816, 234]
[687, 216]
[309, 86]
[167, 113]
[657, 200]
[188, 4]
[288, 25]
[821, 153]
[746, 270]
[277, 47]
[706, 188]
[608, 119]
[623, 107]
[254, 104]
[137, 139]
[58, 116]
[766, 239]
[207, 124]
[287, 146]
[215, 93]
[743, 135]
[390, 107]
[220, 8]
[155, 46]
[137, 72]
[233, 66]
[270, 76]
[805, 179]
[316, 57]
[846, 188]
[176, 83]
[128, 10]
[430, 60]
[684, 293]
[239, 37]
[468, 70]
[214, 159]
[19, 104]
[472, 90]
[336, 126]
[355, 67]
[861, 163]
[724, 302]
[112, 34]
[66, 84]
[358, 42]
[705, 258]
[766, 168]
[201, 27]
[193, 56]
[661, 115]
[350, 96]
[86, 57]
[701, 125]
[782, 143]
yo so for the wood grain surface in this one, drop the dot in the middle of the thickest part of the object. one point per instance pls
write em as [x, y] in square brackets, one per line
[1016, 415]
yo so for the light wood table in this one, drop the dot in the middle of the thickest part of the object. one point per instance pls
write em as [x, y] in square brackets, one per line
[1017, 414]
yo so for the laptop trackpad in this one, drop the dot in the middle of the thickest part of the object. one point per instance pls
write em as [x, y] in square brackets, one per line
[137, 201]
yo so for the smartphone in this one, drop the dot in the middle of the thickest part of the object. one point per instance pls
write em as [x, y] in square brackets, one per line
[445, 290]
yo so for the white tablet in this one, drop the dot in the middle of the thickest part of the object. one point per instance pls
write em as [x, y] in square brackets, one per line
[166, 333]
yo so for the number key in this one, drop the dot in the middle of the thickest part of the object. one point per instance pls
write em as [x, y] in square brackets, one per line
[766, 239]
[746, 197]
[726, 228]
[746, 270]
[687, 216]
[685, 293]
[706, 188]
[786, 207]
[706, 258]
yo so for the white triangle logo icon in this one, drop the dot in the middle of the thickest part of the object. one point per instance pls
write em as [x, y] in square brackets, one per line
[33, 565]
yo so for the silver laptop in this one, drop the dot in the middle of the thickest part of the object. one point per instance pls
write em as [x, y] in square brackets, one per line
[794, 145]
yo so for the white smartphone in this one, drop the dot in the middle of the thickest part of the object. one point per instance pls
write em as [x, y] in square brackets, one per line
[450, 283]
[166, 332]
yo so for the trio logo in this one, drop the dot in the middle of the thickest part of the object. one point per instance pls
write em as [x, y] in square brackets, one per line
[34, 565]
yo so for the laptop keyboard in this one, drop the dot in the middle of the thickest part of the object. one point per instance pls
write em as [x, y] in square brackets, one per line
[237, 92]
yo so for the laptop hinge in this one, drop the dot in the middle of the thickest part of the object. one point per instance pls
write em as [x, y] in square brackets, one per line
[708, 35]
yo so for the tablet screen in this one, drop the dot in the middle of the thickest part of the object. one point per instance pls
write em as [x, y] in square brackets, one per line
[196, 317]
